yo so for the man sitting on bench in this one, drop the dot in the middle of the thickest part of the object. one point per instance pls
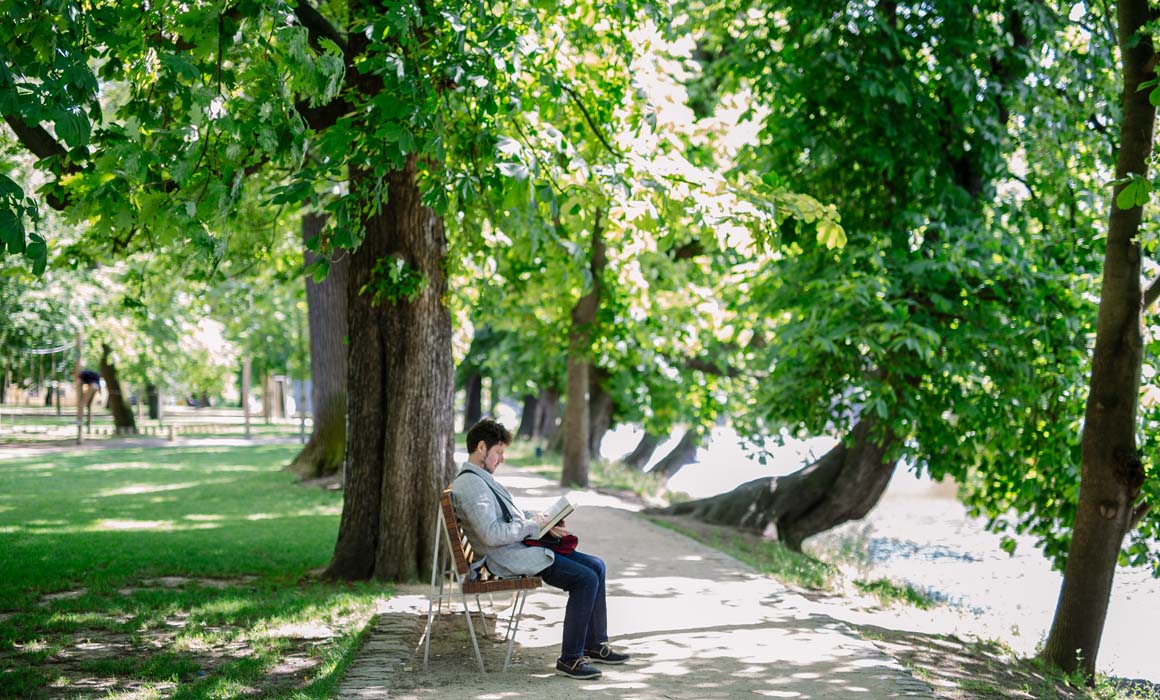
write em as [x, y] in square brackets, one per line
[496, 528]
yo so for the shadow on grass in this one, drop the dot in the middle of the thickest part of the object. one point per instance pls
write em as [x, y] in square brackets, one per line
[171, 571]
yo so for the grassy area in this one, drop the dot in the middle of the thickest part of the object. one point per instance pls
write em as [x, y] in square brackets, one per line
[170, 573]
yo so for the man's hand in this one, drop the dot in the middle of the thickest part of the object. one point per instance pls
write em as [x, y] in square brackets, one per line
[559, 530]
[540, 519]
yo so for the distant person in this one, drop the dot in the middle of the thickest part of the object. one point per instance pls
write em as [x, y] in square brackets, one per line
[497, 528]
[90, 386]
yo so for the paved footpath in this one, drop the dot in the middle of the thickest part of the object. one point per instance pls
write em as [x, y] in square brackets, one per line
[699, 624]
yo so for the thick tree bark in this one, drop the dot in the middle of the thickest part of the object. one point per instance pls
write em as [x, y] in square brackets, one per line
[326, 311]
[473, 401]
[575, 430]
[527, 418]
[683, 454]
[643, 452]
[599, 410]
[399, 447]
[1111, 473]
[844, 484]
[576, 424]
[122, 416]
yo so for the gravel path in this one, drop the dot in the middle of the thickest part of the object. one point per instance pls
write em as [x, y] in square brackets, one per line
[698, 623]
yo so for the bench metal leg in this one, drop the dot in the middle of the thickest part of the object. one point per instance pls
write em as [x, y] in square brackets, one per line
[471, 633]
[514, 625]
[436, 572]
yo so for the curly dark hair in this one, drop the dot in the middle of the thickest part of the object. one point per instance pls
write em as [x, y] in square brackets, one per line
[490, 431]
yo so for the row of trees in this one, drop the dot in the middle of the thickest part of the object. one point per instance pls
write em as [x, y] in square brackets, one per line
[603, 205]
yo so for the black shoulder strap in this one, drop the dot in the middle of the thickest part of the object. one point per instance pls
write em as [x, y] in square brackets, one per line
[507, 514]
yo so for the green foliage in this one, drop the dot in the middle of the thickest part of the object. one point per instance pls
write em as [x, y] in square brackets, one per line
[768, 557]
[241, 532]
[887, 592]
[394, 281]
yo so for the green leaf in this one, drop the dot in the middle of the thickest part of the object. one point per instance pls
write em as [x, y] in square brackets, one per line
[72, 128]
[1126, 199]
[831, 234]
[9, 188]
[1154, 97]
[37, 252]
[11, 231]
[1143, 192]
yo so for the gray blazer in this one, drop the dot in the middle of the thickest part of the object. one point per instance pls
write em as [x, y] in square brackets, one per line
[482, 521]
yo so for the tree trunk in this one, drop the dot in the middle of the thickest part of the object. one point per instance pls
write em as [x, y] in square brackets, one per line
[683, 454]
[575, 431]
[399, 446]
[575, 472]
[528, 418]
[493, 397]
[599, 410]
[547, 414]
[643, 452]
[844, 484]
[326, 313]
[1111, 473]
[122, 417]
[153, 400]
[473, 400]
[267, 399]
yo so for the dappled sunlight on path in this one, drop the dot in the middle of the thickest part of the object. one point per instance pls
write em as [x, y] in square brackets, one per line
[698, 624]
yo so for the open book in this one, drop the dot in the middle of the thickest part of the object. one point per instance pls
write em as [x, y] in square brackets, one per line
[559, 510]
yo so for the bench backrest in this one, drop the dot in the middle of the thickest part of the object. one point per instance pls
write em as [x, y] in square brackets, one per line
[461, 552]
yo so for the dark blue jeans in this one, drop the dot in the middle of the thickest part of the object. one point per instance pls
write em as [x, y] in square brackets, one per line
[586, 617]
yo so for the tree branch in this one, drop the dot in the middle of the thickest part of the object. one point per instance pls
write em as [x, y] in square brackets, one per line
[35, 138]
[319, 27]
[1138, 514]
[591, 122]
[42, 145]
[1151, 294]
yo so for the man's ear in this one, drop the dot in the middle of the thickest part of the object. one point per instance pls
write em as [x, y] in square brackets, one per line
[481, 445]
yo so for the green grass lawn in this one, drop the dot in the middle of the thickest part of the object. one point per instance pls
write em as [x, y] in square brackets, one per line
[170, 572]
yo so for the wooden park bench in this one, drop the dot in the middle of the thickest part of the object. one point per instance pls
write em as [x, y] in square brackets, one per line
[451, 575]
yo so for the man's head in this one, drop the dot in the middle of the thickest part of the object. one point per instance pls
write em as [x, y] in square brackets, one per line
[486, 442]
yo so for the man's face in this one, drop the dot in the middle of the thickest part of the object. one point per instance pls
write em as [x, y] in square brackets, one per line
[493, 457]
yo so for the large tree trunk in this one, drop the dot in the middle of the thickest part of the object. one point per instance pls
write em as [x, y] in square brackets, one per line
[575, 430]
[575, 472]
[399, 446]
[473, 400]
[679, 457]
[599, 410]
[1112, 473]
[844, 484]
[527, 418]
[643, 452]
[326, 310]
[122, 416]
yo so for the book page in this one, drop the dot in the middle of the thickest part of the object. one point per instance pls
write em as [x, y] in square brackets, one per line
[559, 510]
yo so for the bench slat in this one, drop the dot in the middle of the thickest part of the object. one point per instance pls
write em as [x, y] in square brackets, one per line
[464, 556]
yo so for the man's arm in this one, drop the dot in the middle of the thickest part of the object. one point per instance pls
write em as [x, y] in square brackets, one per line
[478, 506]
